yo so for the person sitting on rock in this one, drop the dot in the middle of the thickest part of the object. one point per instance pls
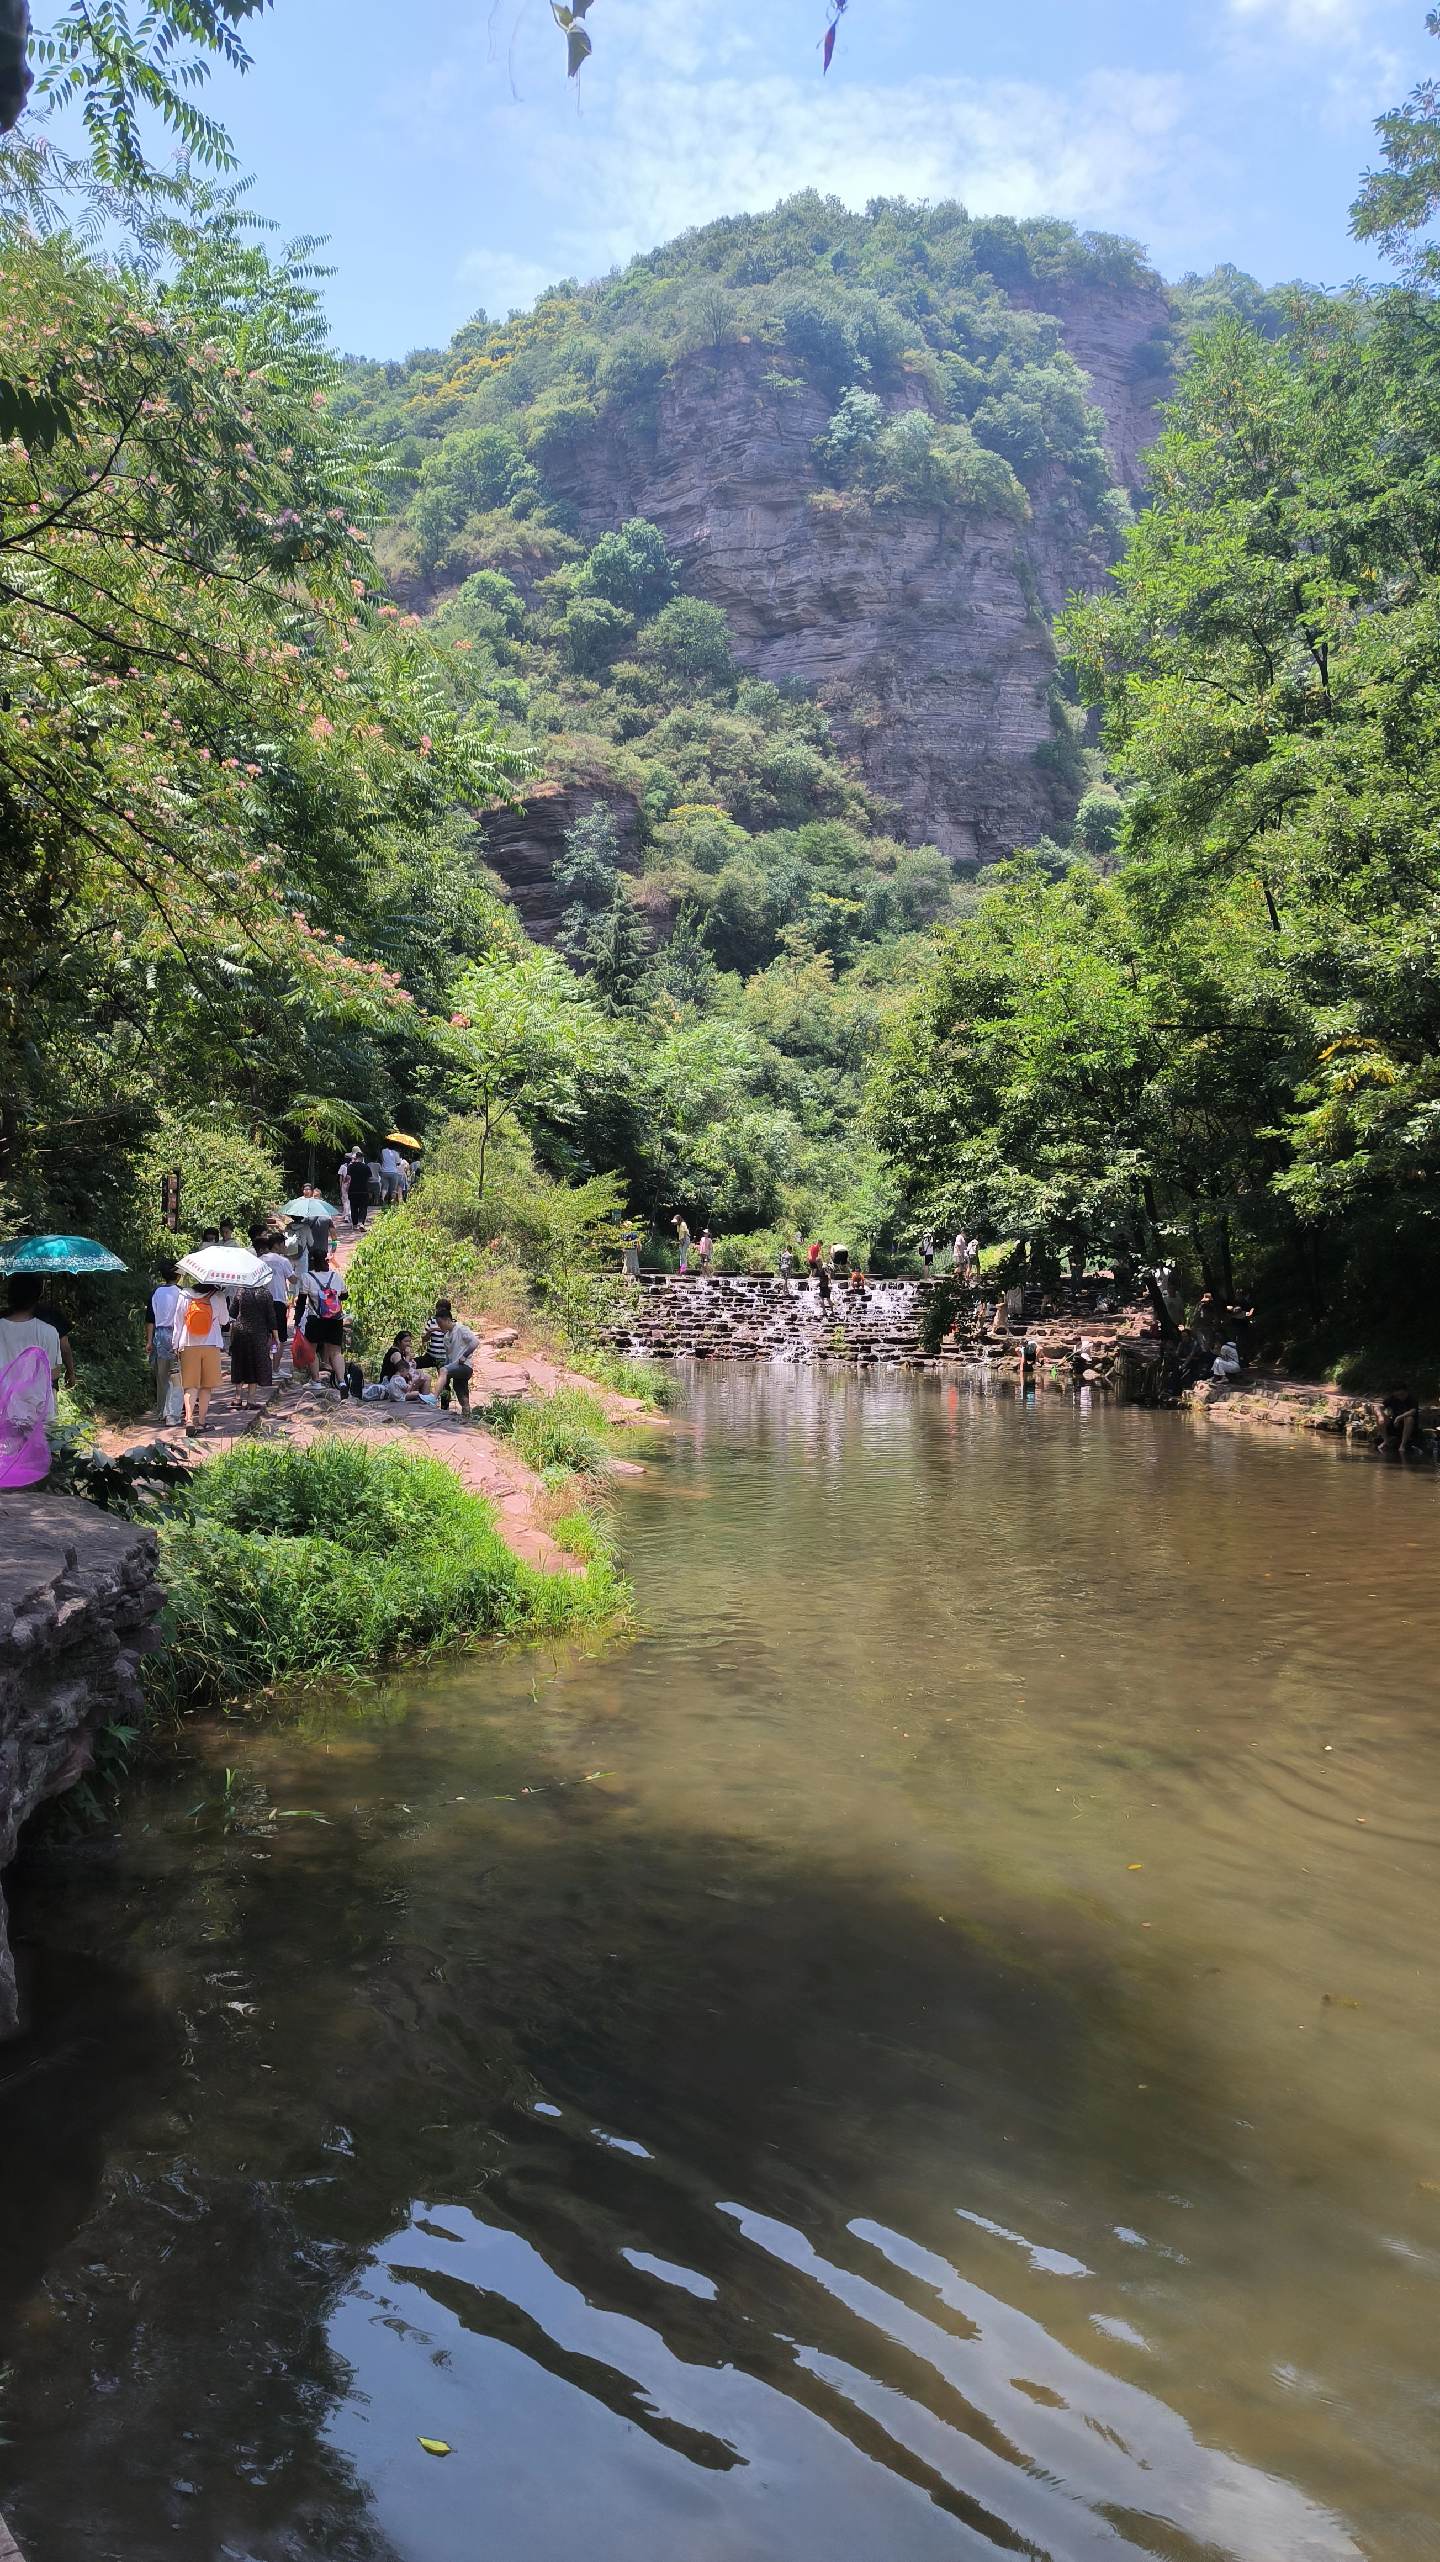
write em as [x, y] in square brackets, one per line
[1227, 1363]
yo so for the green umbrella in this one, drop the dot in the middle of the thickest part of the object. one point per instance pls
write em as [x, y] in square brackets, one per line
[58, 1254]
[300, 1208]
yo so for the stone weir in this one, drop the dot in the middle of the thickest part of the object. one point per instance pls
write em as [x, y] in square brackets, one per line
[738, 1317]
[78, 1602]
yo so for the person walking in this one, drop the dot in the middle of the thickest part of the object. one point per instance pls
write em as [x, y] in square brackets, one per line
[682, 1240]
[389, 1175]
[705, 1248]
[630, 1254]
[282, 1281]
[342, 1177]
[200, 1318]
[359, 1192]
[927, 1251]
[254, 1344]
[160, 1348]
[325, 1318]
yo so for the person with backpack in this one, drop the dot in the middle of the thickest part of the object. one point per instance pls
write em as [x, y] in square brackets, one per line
[325, 1316]
[197, 1332]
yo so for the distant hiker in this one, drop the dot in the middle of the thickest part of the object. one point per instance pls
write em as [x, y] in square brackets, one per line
[839, 1260]
[389, 1175]
[226, 1234]
[253, 1344]
[325, 1317]
[787, 1261]
[315, 1224]
[822, 1281]
[960, 1253]
[705, 1248]
[199, 1321]
[359, 1192]
[160, 1346]
[630, 1254]
[682, 1240]
[927, 1250]
[814, 1256]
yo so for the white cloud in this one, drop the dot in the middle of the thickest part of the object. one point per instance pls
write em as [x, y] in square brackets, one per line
[501, 282]
[661, 148]
[1308, 21]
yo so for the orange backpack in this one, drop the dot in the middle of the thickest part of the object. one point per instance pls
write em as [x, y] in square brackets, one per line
[199, 1317]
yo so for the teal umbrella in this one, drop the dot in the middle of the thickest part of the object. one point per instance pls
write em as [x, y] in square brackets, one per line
[58, 1254]
[302, 1209]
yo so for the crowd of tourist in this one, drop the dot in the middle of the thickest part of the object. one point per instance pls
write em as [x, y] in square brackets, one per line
[289, 1309]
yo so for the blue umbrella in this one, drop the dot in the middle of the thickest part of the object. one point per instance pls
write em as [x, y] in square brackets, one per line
[302, 1209]
[58, 1254]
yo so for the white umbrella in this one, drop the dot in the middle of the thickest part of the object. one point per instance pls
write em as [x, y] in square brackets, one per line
[225, 1267]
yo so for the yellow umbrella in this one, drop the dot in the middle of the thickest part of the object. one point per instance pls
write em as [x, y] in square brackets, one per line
[402, 1139]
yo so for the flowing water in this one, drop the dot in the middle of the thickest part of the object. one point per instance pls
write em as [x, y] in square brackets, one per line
[928, 2051]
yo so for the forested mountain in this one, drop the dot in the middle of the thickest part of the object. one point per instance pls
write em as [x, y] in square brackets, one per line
[887, 446]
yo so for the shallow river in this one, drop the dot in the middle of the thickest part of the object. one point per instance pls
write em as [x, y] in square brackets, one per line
[928, 2051]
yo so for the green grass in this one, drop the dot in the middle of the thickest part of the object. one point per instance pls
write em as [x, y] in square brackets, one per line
[564, 1435]
[335, 1559]
[646, 1380]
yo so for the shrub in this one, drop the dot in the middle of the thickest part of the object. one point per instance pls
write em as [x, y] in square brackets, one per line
[591, 634]
[690, 641]
[563, 1434]
[398, 1271]
[631, 569]
[223, 1175]
[326, 1560]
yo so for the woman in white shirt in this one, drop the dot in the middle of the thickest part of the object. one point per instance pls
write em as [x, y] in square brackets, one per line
[160, 1347]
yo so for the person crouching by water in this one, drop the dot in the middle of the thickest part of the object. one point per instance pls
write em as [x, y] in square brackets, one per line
[449, 1343]
[325, 1318]
[199, 1321]
[1399, 1423]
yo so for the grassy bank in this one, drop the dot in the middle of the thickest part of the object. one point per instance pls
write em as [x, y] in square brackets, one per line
[282, 1563]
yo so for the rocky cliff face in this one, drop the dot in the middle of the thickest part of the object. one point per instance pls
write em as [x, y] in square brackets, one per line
[523, 846]
[927, 637]
[78, 1600]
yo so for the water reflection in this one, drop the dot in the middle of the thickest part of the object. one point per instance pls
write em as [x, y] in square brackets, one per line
[926, 2052]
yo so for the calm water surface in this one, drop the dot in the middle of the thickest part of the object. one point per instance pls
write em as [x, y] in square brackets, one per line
[929, 2052]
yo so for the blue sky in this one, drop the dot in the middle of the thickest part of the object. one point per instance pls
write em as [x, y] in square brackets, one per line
[452, 165]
